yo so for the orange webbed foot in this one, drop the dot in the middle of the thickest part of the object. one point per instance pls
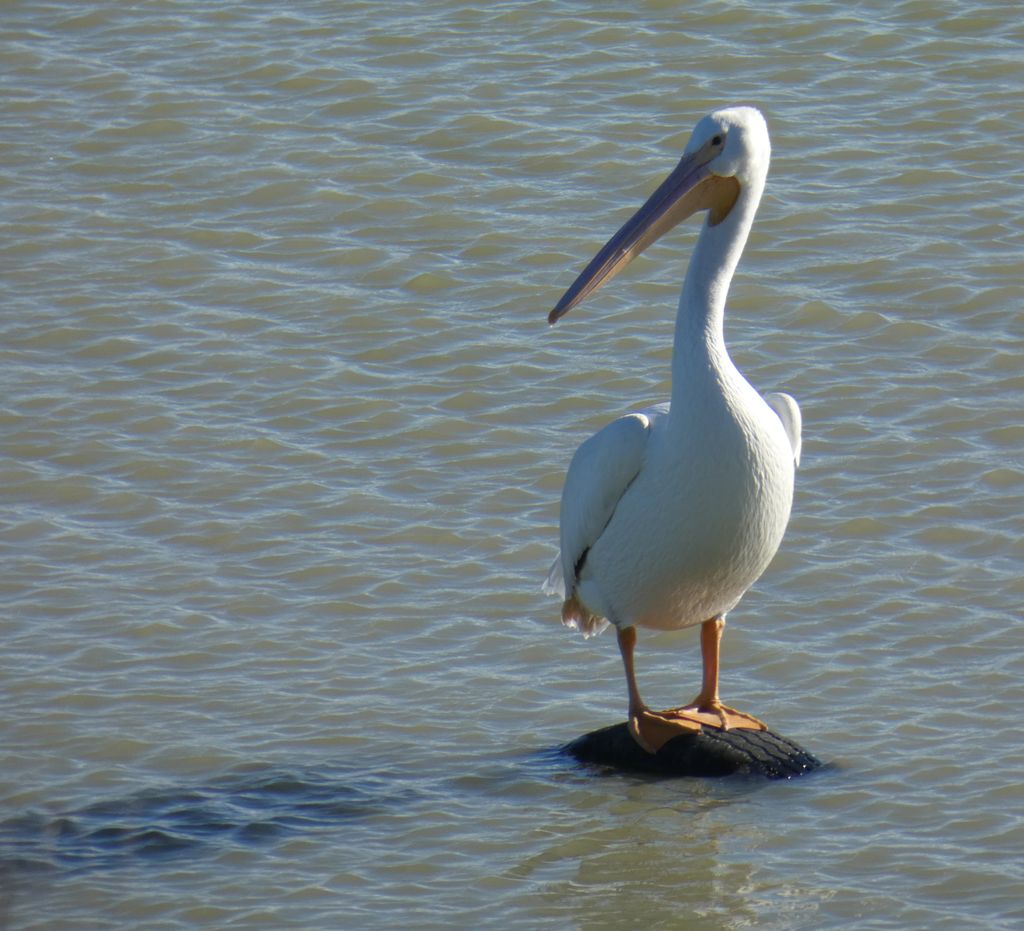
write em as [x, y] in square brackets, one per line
[653, 729]
[715, 714]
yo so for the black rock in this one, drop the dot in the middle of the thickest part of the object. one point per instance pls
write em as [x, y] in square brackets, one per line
[712, 752]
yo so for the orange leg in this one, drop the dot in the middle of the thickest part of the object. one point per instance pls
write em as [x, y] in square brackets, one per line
[707, 708]
[649, 729]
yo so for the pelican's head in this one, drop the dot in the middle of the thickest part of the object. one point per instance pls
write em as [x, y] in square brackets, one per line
[727, 154]
[743, 149]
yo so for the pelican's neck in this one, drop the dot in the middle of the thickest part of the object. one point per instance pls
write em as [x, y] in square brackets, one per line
[699, 355]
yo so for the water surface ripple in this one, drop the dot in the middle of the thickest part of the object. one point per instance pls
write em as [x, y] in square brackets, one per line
[284, 429]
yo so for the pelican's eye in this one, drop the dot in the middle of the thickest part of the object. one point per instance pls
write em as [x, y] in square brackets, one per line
[717, 141]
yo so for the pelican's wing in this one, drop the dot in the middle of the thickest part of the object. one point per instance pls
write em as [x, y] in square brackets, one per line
[789, 413]
[599, 474]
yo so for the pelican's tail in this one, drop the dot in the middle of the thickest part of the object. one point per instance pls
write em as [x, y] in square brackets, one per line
[575, 615]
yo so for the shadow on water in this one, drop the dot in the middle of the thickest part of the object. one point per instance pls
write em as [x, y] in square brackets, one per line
[243, 808]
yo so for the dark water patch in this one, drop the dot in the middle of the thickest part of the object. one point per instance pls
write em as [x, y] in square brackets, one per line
[244, 809]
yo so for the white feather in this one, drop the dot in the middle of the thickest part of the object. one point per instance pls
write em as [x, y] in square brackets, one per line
[554, 584]
[789, 413]
[600, 472]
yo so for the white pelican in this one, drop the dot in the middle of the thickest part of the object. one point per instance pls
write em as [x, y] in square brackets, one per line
[670, 514]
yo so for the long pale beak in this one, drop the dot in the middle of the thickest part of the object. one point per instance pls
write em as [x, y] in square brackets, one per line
[690, 187]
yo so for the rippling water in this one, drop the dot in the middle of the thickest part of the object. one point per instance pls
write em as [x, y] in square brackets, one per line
[284, 430]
